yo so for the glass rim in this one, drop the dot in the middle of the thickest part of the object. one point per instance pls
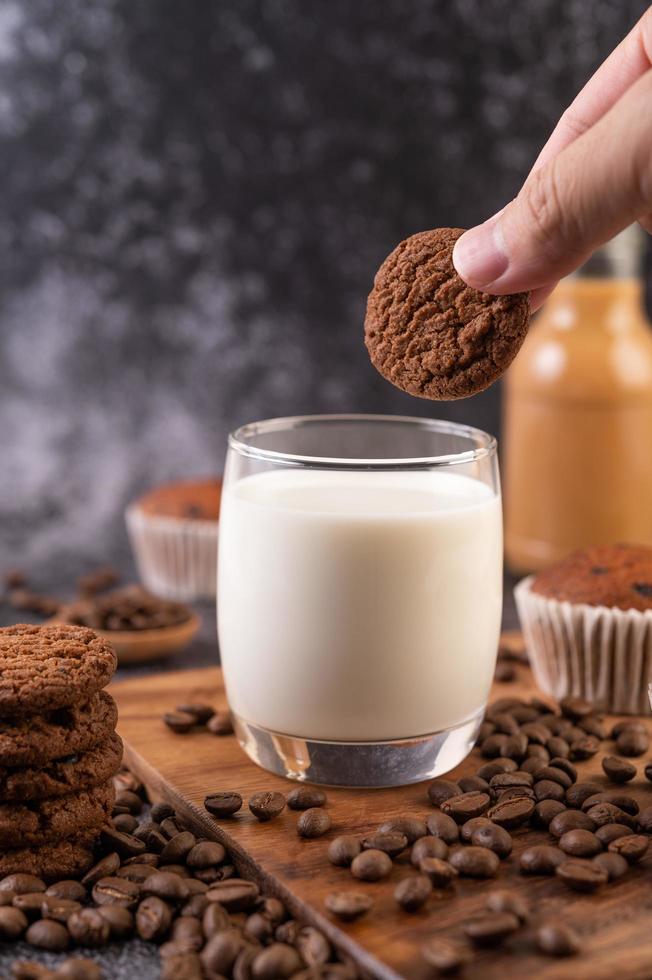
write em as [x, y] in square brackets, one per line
[240, 441]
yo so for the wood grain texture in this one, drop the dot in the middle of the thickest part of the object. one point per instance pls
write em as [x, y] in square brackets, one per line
[615, 924]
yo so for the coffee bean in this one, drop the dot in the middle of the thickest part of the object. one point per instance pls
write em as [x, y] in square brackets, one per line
[505, 723]
[89, 928]
[21, 884]
[13, 923]
[170, 827]
[441, 790]
[30, 904]
[58, 909]
[74, 891]
[200, 712]
[620, 800]
[125, 823]
[150, 834]
[178, 847]
[220, 952]
[585, 747]
[491, 769]
[306, 797]
[505, 673]
[467, 829]
[205, 854]
[511, 813]
[444, 957]
[474, 862]
[243, 964]
[195, 906]
[515, 746]
[314, 822]
[546, 789]
[577, 794]
[558, 747]
[153, 919]
[575, 708]
[502, 900]
[491, 928]
[614, 865]
[546, 811]
[627, 724]
[553, 774]
[442, 826]
[126, 845]
[570, 820]
[136, 872]
[120, 921]
[510, 780]
[536, 754]
[167, 886]
[266, 806]
[287, 932]
[473, 784]
[464, 806]
[276, 962]
[592, 725]
[127, 798]
[611, 831]
[236, 895]
[557, 762]
[440, 872]
[537, 733]
[215, 919]
[179, 722]
[348, 905]
[393, 843]
[274, 909]
[412, 827]
[342, 850]
[220, 724]
[632, 742]
[47, 934]
[105, 868]
[161, 811]
[632, 847]
[618, 770]
[79, 968]
[581, 875]
[644, 820]
[313, 947]
[580, 843]
[188, 933]
[495, 838]
[116, 891]
[647, 771]
[371, 865]
[540, 859]
[177, 869]
[258, 926]
[179, 965]
[413, 892]
[516, 793]
[557, 939]
[223, 804]
[6, 898]
[428, 847]
[602, 813]
[491, 746]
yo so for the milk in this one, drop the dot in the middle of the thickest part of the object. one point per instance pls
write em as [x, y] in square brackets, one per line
[359, 605]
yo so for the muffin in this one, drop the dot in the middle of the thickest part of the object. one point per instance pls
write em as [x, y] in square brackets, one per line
[173, 533]
[587, 623]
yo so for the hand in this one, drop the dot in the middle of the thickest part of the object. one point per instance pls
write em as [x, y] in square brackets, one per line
[592, 179]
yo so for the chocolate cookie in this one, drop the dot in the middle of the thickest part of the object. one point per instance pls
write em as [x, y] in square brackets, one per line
[30, 825]
[62, 776]
[37, 739]
[432, 335]
[46, 667]
[52, 862]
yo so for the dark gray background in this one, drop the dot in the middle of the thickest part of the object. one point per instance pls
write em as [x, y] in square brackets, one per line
[195, 197]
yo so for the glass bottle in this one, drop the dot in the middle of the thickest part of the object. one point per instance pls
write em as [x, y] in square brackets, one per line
[578, 415]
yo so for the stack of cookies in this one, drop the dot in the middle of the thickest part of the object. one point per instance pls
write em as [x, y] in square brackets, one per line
[58, 747]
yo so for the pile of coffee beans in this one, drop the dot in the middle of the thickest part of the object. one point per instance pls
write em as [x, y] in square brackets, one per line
[155, 879]
[128, 608]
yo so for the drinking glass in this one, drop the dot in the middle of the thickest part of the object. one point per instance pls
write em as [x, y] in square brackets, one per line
[359, 594]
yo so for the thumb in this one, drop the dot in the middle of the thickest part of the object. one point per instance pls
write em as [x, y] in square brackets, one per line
[594, 188]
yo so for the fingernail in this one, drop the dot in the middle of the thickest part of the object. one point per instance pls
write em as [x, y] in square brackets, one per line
[479, 256]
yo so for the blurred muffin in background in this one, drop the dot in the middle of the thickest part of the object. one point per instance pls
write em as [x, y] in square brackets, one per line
[173, 533]
[587, 623]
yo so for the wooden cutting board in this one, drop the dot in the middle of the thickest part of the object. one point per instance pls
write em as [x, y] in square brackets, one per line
[616, 923]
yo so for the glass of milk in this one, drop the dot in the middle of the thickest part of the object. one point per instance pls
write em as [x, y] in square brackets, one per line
[359, 594]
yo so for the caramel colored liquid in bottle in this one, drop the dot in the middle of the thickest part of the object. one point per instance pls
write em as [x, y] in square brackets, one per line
[578, 417]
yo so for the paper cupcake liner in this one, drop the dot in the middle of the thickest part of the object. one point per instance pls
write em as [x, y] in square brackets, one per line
[603, 655]
[176, 558]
